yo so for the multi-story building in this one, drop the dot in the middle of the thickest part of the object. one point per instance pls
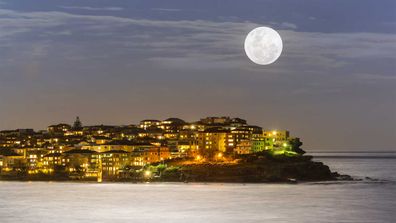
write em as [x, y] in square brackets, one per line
[214, 140]
[244, 147]
[100, 140]
[258, 145]
[153, 154]
[152, 132]
[80, 160]
[188, 148]
[34, 157]
[149, 123]
[239, 134]
[172, 126]
[61, 128]
[51, 161]
[278, 135]
[10, 160]
[112, 161]
[125, 145]
[276, 138]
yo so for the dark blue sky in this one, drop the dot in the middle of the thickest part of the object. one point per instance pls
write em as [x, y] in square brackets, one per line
[117, 62]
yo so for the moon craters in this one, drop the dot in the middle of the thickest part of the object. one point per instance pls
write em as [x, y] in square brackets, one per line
[263, 45]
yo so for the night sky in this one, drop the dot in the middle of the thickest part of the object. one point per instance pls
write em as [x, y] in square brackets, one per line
[119, 61]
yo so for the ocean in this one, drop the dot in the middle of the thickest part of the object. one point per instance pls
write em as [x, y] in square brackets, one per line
[370, 199]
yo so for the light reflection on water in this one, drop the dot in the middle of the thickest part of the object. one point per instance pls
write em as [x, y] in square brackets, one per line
[361, 201]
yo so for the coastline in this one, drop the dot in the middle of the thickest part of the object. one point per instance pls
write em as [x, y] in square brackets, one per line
[120, 200]
[252, 168]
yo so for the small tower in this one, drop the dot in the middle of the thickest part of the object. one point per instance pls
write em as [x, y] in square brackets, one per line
[77, 124]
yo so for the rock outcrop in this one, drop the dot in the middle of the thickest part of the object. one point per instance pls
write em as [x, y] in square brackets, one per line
[250, 168]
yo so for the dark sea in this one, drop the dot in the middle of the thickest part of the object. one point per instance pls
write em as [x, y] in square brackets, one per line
[372, 198]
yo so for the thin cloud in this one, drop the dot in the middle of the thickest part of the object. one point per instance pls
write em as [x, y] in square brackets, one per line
[166, 9]
[92, 8]
[212, 44]
[375, 77]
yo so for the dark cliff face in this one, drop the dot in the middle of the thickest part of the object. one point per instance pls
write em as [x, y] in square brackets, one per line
[256, 168]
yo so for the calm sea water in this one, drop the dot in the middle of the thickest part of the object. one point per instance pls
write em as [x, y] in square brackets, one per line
[369, 200]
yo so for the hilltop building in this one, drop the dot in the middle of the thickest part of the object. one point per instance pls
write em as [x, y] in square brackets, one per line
[89, 151]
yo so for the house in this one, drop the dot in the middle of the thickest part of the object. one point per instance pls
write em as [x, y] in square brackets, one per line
[11, 161]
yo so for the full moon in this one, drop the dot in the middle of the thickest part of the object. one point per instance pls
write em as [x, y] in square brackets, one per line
[263, 45]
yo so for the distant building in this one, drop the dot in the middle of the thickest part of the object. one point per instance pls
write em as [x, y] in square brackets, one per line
[35, 157]
[147, 123]
[278, 135]
[214, 140]
[275, 138]
[172, 126]
[100, 140]
[59, 128]
[10, 160]
[187, 148]
[216, 120]
[238, 122]
[125, 145]
[143, 156]
[80, 160]
[51, 161]
[239, 134]
[243, 147]
[258, 145]
[113, 161]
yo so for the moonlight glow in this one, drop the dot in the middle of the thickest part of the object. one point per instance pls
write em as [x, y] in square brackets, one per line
[263, 45]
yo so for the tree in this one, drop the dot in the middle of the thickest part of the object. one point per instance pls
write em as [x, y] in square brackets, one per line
[77, 124]
[208, 153]
[295, 144]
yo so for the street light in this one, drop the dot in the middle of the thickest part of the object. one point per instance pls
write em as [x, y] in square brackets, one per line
[147, 173]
